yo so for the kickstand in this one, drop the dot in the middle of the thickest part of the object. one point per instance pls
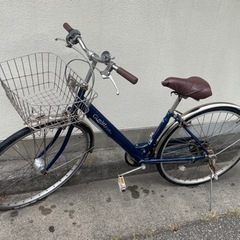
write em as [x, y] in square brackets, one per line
[213, 175]
[211, 189]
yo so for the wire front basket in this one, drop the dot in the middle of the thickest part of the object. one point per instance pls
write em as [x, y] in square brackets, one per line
[43, 89]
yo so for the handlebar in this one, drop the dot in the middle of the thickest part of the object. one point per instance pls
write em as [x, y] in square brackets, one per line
[74, 37]
[67, 27]
[127, 75]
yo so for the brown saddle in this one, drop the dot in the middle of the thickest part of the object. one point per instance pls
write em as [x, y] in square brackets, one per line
[194, 87]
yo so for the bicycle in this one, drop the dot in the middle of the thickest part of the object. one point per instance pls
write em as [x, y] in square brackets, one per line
[193, 148]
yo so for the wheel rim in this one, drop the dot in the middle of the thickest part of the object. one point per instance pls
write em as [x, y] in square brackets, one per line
[21, 183]
[217, 130]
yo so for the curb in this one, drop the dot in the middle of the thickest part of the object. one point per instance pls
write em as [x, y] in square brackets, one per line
[106, 161]
[105, 164]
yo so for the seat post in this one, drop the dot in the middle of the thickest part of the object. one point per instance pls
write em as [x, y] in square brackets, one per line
[175, 104]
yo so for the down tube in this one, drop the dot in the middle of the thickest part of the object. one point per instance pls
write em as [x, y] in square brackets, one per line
[107, 127]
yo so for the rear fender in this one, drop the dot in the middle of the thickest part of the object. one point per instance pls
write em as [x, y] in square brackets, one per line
[189, 114]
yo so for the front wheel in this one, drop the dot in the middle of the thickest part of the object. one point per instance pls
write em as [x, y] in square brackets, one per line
[23, 154]
[218, 129]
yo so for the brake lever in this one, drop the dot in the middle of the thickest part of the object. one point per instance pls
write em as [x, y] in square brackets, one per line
[113, 82]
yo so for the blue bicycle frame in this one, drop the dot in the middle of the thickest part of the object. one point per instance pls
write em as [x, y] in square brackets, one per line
[142, 153]
[138, 152]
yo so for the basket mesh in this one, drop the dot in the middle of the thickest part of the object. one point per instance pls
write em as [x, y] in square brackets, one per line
[41, 87]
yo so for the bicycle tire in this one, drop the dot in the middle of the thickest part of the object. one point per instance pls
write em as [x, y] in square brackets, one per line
[217, 128]
[21, 184]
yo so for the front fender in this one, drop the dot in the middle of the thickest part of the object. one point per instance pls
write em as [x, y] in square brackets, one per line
[83, 124]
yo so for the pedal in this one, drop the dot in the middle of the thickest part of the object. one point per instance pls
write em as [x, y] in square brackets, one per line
[121, 181]
[121, 184]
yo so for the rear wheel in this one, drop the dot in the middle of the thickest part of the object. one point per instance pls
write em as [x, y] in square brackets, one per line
[218, 129]
[23, 179]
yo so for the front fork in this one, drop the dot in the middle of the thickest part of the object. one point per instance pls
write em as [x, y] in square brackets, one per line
[40, 162]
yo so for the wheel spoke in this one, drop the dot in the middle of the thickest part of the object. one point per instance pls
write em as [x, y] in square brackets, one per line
[218, 129]
[20, 182]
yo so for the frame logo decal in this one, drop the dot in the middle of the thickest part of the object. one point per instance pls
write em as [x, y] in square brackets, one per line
[102, 123]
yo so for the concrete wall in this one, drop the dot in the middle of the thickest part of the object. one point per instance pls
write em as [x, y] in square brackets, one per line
[152, 39]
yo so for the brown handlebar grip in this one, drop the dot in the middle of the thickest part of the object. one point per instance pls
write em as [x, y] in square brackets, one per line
[67, 27]
[131, 78]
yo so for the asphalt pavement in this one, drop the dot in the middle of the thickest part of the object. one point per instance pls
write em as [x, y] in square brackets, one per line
[92, 207]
